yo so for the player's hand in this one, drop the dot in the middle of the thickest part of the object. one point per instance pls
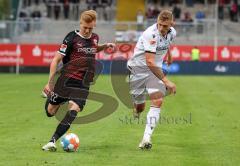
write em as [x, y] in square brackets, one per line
[169, 58]
[170, 86]
[169, 61]
[48, 88]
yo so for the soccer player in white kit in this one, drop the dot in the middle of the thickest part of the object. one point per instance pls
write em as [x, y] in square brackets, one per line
[147, 74]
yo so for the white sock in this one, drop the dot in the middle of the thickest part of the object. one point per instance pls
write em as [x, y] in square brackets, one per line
[152, 120]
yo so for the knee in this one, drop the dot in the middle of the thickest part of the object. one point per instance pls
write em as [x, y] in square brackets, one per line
[50, 111]
[139, 107]
[74, 106]
[157, 102]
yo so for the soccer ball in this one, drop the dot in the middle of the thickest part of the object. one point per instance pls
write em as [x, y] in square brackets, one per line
[70, 142]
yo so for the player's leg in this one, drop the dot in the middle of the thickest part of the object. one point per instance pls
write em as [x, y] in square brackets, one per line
[139, 105]
[137, 91]
[63, 126]
[152, 119]
[50, 108]
[77, 98]
[156, 90]
[52, 103]
[138, 108]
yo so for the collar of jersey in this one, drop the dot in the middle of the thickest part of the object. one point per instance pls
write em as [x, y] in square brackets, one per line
[77, 32]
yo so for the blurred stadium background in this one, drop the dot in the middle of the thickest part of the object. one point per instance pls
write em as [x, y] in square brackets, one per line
[32, 30]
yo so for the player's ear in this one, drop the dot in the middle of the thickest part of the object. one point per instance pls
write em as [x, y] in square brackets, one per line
[172, 23]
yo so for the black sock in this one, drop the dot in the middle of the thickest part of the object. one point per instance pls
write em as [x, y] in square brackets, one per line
[46, 107]
[64, 125]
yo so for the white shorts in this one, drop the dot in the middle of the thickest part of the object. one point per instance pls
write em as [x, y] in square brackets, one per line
[142, 83]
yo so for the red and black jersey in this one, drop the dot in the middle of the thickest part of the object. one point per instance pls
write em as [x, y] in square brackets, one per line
[79, 56]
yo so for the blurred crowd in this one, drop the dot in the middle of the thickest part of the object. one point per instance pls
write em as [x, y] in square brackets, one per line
[181, 13]
[233, 6]
[184, 11]
[60, 9]
[65, 9]
[33, 12]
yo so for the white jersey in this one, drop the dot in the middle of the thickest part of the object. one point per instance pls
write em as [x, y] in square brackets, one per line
[151, 41]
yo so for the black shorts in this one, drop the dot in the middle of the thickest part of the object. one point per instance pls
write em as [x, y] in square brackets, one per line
[67, 89]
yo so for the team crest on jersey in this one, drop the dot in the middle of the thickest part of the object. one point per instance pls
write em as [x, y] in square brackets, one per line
[63, 47]
[95, 41]
[152, 42]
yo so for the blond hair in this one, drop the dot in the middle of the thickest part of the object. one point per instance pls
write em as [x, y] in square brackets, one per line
[88, 16]
[165, 15]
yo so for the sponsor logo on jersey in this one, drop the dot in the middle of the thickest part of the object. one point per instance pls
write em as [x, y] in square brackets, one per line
[160, 48]
[63, 47]
[87, 50]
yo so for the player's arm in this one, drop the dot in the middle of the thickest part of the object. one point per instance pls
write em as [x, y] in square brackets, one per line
[150, 61]
[53, 69]
[64, 50]
[169, 55]
[169, 58]
[101, 47]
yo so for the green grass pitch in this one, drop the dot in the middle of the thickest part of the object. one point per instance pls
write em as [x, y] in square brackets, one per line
[200, 126]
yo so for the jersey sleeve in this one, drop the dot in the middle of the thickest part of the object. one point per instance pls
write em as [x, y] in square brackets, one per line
[172, 35]
[149, 42]
[66, 45]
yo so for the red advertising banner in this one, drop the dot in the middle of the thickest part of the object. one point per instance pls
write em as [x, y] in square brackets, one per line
[38, 55]
[229, 53]
[10, 55]
[183, 53]
[42, 55]
[26, 54]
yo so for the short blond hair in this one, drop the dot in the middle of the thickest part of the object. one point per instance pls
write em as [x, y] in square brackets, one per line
[88, 16]
[165, 15]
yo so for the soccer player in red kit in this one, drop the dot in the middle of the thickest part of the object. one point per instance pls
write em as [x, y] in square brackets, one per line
[77, 53]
